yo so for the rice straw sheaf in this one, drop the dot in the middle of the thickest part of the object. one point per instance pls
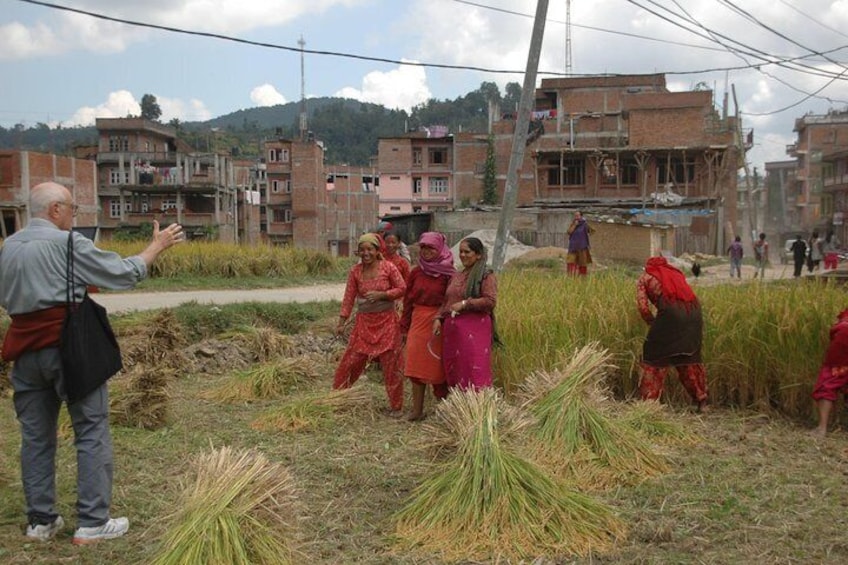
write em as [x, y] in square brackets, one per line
[653, 420]
[312, 409]
[238, 508]
[140, 398]
[575, 425]
[262, 342]
[157, 343]
[274, 379]
[486, 502]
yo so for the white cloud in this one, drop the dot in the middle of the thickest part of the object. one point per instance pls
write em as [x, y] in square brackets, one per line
[266, 95]
[118, 104]
[122, 103]
[60, 32]
[400, 88]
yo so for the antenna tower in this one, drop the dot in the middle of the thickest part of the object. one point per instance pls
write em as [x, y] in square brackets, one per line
[302, 44]
[568, 37]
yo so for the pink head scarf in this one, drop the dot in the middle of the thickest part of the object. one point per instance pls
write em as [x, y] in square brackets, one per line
[443, 263]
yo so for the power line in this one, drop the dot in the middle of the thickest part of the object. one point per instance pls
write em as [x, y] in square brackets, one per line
[591, 28]
[271, 45]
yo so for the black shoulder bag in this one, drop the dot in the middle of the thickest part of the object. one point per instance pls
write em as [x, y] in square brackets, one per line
[89, 350]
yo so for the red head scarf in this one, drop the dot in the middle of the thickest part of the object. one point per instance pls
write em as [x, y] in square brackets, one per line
[674, 285]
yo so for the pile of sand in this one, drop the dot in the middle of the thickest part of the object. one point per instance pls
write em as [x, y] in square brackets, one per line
[514, 248]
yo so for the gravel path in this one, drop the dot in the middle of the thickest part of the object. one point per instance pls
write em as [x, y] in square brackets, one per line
[122, 302]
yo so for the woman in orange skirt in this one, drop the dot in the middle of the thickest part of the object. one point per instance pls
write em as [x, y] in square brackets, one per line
[425, 292]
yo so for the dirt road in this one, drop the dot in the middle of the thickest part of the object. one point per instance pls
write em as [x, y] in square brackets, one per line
[122, 302]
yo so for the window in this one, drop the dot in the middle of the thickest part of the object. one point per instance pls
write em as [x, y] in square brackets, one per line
[573, 172]
[624, 170]
[678, 173]
[438, 156]
[115, 208]
[275, 185]
[416, 156]
[119, 143]
[394, 208]
[438, 185]
[287, 186]
[416, 185]
[115, 177]
[283, 215]
[278, 154]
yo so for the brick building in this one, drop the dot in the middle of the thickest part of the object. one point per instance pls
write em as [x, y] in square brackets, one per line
[313, 205]
[817, 137]
[781, 215]
[593, 141]
[145, 172]
[834, 196]
[417, 172]
[21, 170]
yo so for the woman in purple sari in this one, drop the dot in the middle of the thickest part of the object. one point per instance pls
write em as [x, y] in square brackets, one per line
[466, 322]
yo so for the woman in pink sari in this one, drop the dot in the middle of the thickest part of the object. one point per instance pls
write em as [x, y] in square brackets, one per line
[466, 320]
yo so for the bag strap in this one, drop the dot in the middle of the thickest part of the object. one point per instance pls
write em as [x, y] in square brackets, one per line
[70, 297]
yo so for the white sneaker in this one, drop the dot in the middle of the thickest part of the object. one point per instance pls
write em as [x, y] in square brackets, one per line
[114, 528]
[45, 532]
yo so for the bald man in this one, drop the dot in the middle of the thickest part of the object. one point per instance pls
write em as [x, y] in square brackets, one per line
[32, 290]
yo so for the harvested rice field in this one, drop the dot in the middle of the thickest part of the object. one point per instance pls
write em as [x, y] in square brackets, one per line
[217, 429]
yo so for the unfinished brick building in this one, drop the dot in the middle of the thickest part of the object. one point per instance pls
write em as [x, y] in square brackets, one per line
[21, 170]
[145, 172]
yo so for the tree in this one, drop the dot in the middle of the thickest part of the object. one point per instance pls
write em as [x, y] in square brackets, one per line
[150, 109]
[490, 182]
[512, 97]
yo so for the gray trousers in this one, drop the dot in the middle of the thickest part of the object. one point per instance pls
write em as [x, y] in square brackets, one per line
[39, 392]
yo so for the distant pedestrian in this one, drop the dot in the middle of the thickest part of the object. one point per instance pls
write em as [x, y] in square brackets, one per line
[383, 228]
[735, 251]
[761, 248]
[579, 258]
[830, 249]
[815, 253]
[833, 376]
[799, 254]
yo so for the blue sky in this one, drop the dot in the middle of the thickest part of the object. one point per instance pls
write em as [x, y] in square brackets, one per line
[59, 67]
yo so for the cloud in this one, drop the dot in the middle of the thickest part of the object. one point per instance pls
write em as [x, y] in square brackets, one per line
[400, 88]
[122, 103]
[60, 32]
[266, 95]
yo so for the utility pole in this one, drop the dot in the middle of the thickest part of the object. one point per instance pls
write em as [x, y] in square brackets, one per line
[568, 67]
[740, 145]
[519, 138]
[302, 44]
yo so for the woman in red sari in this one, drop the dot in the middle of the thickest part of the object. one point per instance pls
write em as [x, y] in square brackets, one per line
[466, 320]
[425, 292]
[374, 285]
[393, 244]
[833, 375]
[675, 334]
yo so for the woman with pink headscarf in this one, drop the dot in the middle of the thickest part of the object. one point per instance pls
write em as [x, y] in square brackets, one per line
[425, 292]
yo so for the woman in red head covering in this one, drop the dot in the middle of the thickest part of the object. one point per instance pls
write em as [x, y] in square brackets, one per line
[833, 376]
[425, 292]
[668, 305]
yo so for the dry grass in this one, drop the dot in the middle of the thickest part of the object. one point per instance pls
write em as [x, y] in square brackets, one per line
[270, 380]
[312, 409]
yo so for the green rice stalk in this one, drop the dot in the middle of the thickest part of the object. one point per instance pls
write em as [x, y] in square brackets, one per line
[654, 420]
[573, 413]
[312, 409]
[275, 379]
[238, 508]
[487, 502]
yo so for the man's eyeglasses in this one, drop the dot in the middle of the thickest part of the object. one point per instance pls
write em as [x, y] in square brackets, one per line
[74, 207]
